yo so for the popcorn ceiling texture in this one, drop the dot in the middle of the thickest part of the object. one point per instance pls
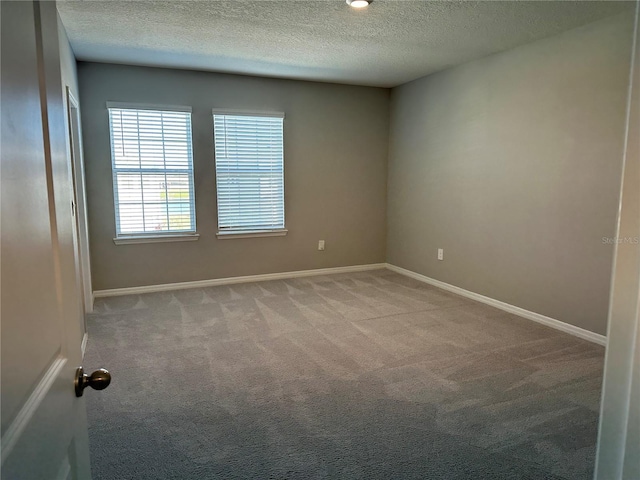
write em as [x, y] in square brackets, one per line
[387, 44]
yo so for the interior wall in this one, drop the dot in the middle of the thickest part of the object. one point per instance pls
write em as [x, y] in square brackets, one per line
[68, 68]
[512, 165]
[69, 79]
[335, 154]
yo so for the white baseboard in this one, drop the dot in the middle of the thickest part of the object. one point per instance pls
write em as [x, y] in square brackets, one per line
[231, 280]
[536, 317]
[83, 346]
[89, 305]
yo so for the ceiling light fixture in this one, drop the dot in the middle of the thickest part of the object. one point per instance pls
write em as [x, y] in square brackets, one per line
[358, 3]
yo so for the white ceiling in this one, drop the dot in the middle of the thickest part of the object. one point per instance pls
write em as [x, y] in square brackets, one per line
[388, 43]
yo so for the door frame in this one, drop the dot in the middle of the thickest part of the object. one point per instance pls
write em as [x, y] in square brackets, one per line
[83, 258]
[618, 447]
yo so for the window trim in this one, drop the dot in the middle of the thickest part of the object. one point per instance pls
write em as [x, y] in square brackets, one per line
[132, 239]
[247, 113]
[231, 234]
[158, 236]
[227, 233]
[149, 106]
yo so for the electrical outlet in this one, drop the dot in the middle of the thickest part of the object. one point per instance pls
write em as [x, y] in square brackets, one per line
[320, 244]
[440, 254]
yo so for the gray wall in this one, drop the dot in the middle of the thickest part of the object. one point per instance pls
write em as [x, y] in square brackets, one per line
[336, 145]
[512, 165]
[68, 68]
[68, 78]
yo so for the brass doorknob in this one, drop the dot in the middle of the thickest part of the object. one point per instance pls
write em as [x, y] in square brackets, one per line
[98, 380]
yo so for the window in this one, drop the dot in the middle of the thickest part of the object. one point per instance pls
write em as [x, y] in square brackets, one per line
[152, 162]
[249, 173]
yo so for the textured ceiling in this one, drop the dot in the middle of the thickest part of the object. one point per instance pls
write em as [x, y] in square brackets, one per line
[389, 43]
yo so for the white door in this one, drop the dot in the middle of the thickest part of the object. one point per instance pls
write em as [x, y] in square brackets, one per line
[44, 432]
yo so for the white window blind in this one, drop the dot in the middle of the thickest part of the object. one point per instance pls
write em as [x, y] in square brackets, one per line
[152, 162]
[249, 171]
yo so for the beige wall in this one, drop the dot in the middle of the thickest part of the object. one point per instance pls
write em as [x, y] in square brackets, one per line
[336, 144]
[512, 165]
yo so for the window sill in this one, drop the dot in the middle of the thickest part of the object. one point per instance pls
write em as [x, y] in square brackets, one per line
[257, 233]
[184, 237]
